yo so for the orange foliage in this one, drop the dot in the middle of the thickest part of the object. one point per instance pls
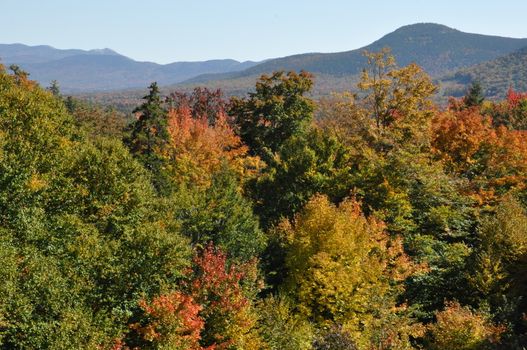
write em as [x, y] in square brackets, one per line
[492, 158]
[174, 320]
[197, 149]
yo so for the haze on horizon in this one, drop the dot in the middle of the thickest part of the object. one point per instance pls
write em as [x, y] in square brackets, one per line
[165, 31]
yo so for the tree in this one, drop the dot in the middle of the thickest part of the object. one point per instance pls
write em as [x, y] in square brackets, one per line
[493, 159]
[459, 328]
[225, 294]
[54, 88]
[305, 165]
[148, 135]
[87, 237]
[512, 112]
[343, 268]
[96, 120]
[197, 149]
[397, 100]
[272, 114]
[498, 265]
[202, 102]
[172, 322]
[335, 339]
[280, 327]
[220, 214]
[474, 96]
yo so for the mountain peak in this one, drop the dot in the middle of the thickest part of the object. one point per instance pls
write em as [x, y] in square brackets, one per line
[425, 27]
[105, 51]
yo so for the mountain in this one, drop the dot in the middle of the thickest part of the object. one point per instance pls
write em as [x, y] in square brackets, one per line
[437, 48]
[440, 50]
[495, 76]
[20, 54]
[105, 69]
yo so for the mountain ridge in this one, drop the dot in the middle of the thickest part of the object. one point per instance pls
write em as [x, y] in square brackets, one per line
[79, 70]
[438, 41]
[439, 49]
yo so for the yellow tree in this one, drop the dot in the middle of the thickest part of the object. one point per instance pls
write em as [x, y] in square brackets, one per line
[397, 100]
[460, 328]
[344, 269]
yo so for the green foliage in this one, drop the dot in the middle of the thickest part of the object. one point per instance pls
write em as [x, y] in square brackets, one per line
[148, 135]
[276, 111]
[305, 165]
[474, 96]
[495, 76]
[373, 216]
[280, 327]
[83, 237]
[219, 214]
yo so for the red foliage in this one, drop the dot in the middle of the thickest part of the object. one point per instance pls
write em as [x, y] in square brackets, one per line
[514, 98]
[219, 288]
[173, 319]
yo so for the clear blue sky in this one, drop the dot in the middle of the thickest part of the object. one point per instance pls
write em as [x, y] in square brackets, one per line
[174, 30]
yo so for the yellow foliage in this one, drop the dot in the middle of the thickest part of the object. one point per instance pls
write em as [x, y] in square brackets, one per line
[343, 267]
[459, 328]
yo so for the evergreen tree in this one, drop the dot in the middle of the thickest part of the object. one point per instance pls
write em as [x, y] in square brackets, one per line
[148, 135]
[54, 88]
[475, 95]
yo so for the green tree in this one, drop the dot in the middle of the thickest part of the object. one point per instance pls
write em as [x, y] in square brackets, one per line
[273, 113]
[148, 135]
[474, 96]
[83, 235]
[54, 88]
[219, 214]
[280, 327]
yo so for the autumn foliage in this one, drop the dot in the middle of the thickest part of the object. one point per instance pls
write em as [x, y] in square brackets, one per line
[173, 322]
[227, 310]
[459, 328]
[197, 148]
[386, 223]
[493, 159]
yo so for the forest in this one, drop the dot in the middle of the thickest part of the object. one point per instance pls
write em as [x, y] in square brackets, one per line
[371, 219]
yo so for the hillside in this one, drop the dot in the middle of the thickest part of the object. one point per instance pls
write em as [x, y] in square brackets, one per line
[104, 70]
[437, 48]
[496, 76]
[440, 50]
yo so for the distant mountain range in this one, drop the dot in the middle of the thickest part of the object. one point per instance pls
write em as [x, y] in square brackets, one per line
[437, 48]
[450, 56]
[104, 70]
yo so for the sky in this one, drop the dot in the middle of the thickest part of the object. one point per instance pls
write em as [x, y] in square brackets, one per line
[166, 31]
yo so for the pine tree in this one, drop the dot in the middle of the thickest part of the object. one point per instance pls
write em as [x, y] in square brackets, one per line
[148, 135]
[475, 95]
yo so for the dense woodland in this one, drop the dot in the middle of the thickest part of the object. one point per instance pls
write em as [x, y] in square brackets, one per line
[369, 220]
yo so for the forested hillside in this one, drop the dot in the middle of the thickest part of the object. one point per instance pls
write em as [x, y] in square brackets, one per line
[372, 219]
[436, 48]
[495, 76]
